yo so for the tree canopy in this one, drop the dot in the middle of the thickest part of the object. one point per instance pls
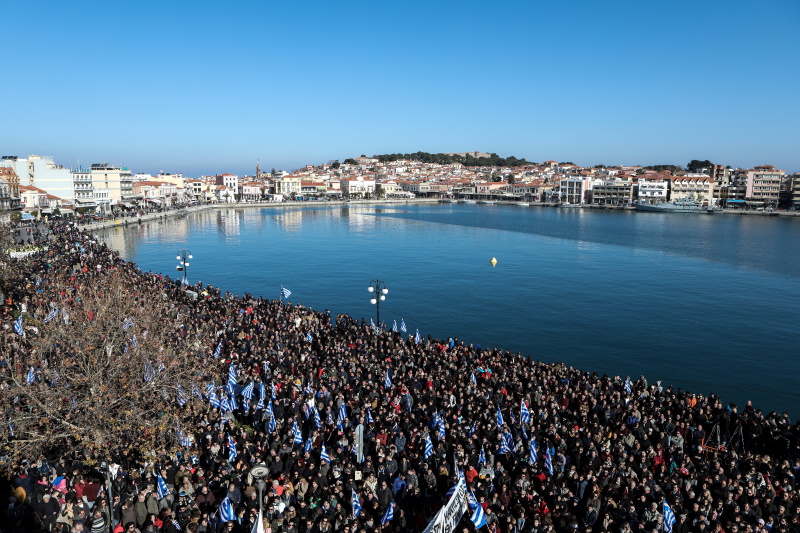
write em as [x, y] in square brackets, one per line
[445, 159]
[696, 165]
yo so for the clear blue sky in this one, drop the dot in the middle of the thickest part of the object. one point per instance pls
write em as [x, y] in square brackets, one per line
[205, 87]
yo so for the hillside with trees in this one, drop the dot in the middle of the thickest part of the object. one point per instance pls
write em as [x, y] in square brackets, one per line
[445, 159]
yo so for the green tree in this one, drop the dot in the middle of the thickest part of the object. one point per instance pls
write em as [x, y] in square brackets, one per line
[335, 164]
[350, 161]
[695, 165]
[511, 179]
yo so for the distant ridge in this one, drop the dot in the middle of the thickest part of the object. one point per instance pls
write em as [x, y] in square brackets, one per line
[468, 159]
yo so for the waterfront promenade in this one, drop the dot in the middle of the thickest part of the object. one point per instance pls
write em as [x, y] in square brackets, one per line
[542, 447]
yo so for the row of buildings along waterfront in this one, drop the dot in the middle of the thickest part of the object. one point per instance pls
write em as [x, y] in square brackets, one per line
[38, 183]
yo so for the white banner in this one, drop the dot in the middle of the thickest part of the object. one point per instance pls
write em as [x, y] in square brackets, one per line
[449, 516]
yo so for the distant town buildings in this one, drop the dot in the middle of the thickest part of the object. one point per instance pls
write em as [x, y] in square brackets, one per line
[38, 183]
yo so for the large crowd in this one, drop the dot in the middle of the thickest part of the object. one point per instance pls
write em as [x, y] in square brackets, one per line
[363, 429]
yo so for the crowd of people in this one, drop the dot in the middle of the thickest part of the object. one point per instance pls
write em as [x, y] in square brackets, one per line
[361, 428]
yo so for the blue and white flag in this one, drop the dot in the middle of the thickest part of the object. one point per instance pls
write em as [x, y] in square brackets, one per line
[472, 501]
[309, 338]
[388, 515]
[394, 326]
[214, 400]
[307, 445]
[231, 377]
[127, 323]
[323, 456]
[482, 457]
[148, 372]
[473, 380]
[232, 402]
[317, 419]
[478, 517]
[52, 315]
[387, 382]
[285, 293]
[218, 350]
[428, 446]
[628, 385]
[342, 412]
[261, 391]
[356, 505]
[548, 462]
[403, 325]
[210, 388]
[534, 453]
[226, 512]
[524, 414]
[274, 392]
[247, 392]
[161, 490]
[182, 397]
[669, 518]
[368, 418]
[473, 428]
[231, 449]
[196, 392]
[134, 341]
[499, 418]
[417, 338]
[441, 433]
[31, 376]
[504, 448]
[271, 424]
[297, 434]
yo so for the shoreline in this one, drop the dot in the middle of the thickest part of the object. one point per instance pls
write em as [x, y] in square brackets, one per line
[126, 221]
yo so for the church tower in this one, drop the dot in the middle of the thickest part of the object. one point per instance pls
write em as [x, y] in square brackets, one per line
[258, 170]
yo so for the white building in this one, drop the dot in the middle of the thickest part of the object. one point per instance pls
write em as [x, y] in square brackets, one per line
[43, 173]
[118, 181]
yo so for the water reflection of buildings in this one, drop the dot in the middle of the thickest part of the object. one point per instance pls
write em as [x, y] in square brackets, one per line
[228, 222]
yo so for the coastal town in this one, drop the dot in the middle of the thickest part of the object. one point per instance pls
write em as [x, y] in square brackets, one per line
[38, 185]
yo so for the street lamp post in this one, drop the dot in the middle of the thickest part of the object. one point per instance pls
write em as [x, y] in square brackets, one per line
[379, 288]
[183, 266]
[259, 472]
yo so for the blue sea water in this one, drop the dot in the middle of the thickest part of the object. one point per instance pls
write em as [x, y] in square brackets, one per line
[707, 303]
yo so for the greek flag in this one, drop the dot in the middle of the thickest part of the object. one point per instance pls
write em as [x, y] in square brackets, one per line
[548, 462]
[297, 434]
[231, 377]
[534, 453]
[441, 434]
[356, 505]
[342, 412]
[388, 381]
[403, 325]
[388, 515]
[225, 404]
[669, 518]
[274, 392]
[18, 326]
[162, 489]
[473, 428]
[31, 376]
[525, 414]
[232, 402]
[134, 341]
[247, 392]
[271, 424]
[504, 448]
[472, 501]
[323, 456]
[307, 446]
[394, 326]
[482, 457]
[210, 388]
[218, 350]
[317, 419]
[260, 404]
[149, 373]
[478, 517]
[499, 418]
[196, 392]
[182, 398]
[628, 388]
[368, 419]
[309, 338]
[127, 324]
[285, 293]
[428, 446]
[417, 338]
[231, 449]
[226, 512]
[52, 315]
[213, 400]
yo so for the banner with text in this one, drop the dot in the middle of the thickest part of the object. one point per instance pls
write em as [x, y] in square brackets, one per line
[448, 516]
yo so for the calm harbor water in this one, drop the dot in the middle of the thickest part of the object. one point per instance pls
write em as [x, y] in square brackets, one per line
[707, 303]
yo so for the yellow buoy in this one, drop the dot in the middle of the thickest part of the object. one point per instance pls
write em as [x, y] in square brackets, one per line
[493, 261]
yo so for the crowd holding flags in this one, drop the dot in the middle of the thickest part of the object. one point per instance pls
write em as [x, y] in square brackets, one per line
[669, 518]
[226, 512]
[161, 489]
[388, 515]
